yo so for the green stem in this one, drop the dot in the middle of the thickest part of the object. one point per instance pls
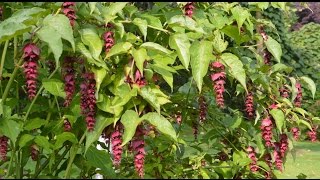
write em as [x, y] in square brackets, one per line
[18, 166]
[50, 106]
[60, 159]
[4, 52]
[36, 97]
[13, 153]
[68, 170]
[55, 97]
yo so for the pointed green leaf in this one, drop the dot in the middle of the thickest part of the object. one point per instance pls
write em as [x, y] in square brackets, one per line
[65, 136]
[92, 6]
[34, 124]
[235, 67]
[310, 83]
[140, 55]
[305, 123]
[99, 75]
[274, 48]
[201, 52]
[24, 140]
[130, 120]
[293, 88]
[167, 75]
[147, 94]
[54, 86]
[278, 116]
[218, 43]
[161, 123]
[43, 142]
[10, 128]
[155, 46]
[142, 25]
[116, 7]
[120, 29]
[53, 38]
[240, 15]
[90, 38]
[181, 44]
[152, 20]
[83, 50]
[119, 48]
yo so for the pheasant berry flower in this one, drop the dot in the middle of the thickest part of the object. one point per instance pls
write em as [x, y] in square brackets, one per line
[312, 134]
[138, 148]
[298, 99]
[67, 125]
[31, 55]
[109, 40]
[266, 127]
[295, 132]
[69, 11]
[252, 156]
[203, 108]
[34, 152]
[277, 156]
[116, 141]
[188, 9]
[218, 80]
[3, 148]
[283, 144]
[284, 92]
[249, 105]
[69, 80]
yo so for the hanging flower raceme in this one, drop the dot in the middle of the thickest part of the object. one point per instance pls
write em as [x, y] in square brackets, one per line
[139, 79]
[34, 152]
[284, 92]
[218, 80]
[252, 156]
[178, 118]
[295, 132]
[116, 141]
[298, 99]
[3, 148]
[51, 65]
[266, 57]
[69, 80]
[312, 134]
[138, 148]
[69, 11]
[283, 144]
[109, 40]
[88, 99]
[277, 156]
[188, 9]
[202, 108]
[249, 105]
[66, 125]
[195, 129]
[266, 127]
[31, 55]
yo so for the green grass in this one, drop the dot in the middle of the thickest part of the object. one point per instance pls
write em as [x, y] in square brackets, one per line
[307, 161]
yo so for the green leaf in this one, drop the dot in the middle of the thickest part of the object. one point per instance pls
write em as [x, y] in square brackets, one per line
[280, 67]
[218, 43]
[155, 46]
[120, 29]
[147, 94]
[301, 111]
[43, 142]
[100, 74]
[65, 136]
[181, 44]
[201, 53]
[53, 38]
[116, 7]
[90, 38]
[119, 48]
[140, 56]
[130, 120]
[235, 67]
[54, 86]
[101, 123]
[274, 48]
[293, 88]
[184, 22]
[100, 159]
[240, 15]
[25, 139]
[261, 5]
[34, 124]
[161, 123]
[82, 49]
[142, 25]
[239, 157]
[61, 24]
[10, 128]
[310, 83]
[92, 6]
[305, 123]
[167, 75]
[152, 20]
[278, 116]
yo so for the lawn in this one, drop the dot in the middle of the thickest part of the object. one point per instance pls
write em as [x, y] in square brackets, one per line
[307, 161]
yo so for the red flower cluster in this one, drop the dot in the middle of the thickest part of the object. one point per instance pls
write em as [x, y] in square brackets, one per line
[252, 156]
[283, 144]
[31, 55]
[295, 132]
[277, 155]
[138, 148]
[109, 40]
[284, 92]
[51, 65]
[138, 79]
[88, 99]
[312, 134]
[116, 141]
[266, 57]
[298, 99]
[69, 80]
[249, 105]
[1, 12]
[263, 33]
[266, 127]
[188, 9]
[203, 108]
[67, 125]
[178, 118]
[218, 79]
[34, 152]
[3, 148]
[195, 129]
[69, 11]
